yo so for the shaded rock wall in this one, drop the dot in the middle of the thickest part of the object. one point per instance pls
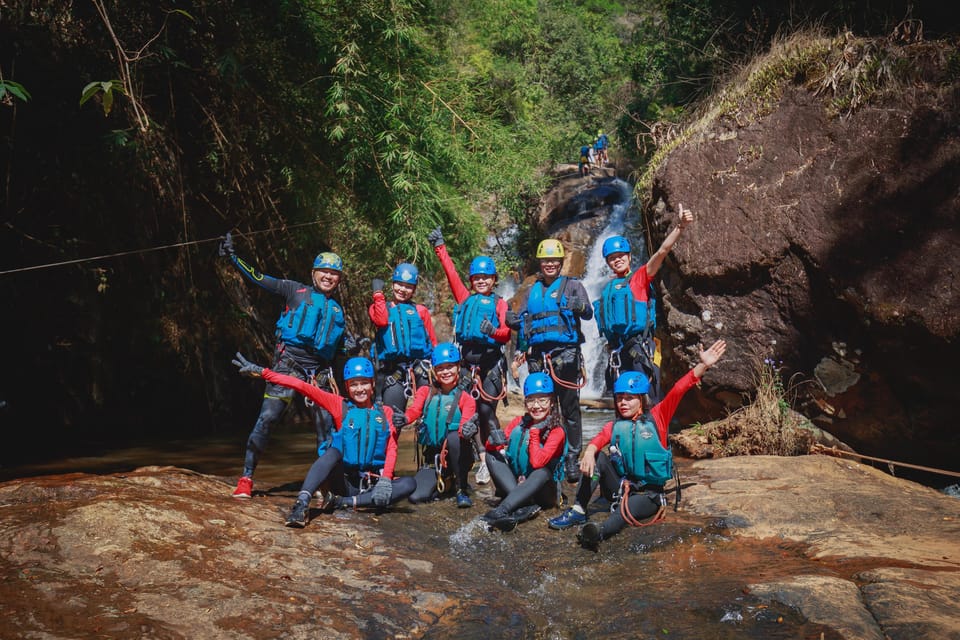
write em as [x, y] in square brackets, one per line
[832, 241]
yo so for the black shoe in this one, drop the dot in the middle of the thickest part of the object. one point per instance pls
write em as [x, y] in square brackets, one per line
[330, 502]
[572, 468]
[495, 514]
[298, 514]
[590, 535]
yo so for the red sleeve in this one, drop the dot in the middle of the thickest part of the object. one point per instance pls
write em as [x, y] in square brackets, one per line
[390, 461]
[663, 411]
[602, 439]
[502, 333]
[378, 310]
[329, 401]
[460, 292]
[427, 323]
[541, 455]
[640, 283]
[415, 410]
[468, 409]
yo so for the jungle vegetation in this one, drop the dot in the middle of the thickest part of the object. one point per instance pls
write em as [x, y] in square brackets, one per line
[149, 128]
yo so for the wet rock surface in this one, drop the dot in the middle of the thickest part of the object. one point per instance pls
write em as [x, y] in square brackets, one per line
[757, 550]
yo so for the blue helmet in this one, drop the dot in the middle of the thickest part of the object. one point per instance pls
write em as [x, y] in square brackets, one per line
[615, 244]
[632, 382]
[482, 266]
[328, 260]
[357, 368]
[406, 273]
[445, 353]
[537, 383]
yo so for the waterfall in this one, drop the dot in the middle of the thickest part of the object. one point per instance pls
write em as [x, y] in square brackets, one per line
[597, 274]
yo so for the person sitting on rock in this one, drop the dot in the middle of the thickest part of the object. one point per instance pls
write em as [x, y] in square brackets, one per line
[524, 459]
[626, 311]
[480, 326]
[364, 446]
[632, 476]
[448, 426]
[404, 338]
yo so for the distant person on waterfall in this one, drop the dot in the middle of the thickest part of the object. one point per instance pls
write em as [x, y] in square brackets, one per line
[404, 338]
[480, 325]
[601, 145]
[447, 429]
[548, 322]
[639, 463]
[359, 462]
[583, 167]
[525, 459]
[626, 311]
[310, 332]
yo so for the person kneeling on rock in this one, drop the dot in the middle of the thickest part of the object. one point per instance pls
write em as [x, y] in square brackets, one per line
[360, 460]
[524, 459]
[632, 477]
[448, 426]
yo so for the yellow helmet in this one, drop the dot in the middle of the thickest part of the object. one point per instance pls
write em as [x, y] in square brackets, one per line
[549, 248]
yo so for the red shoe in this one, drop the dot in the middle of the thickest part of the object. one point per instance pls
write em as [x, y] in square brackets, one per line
[244, 487]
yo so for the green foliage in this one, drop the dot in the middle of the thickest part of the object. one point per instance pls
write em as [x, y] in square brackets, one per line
[10, 89]
[106, 90]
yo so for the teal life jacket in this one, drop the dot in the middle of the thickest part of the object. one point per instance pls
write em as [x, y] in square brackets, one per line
[441, 414]
[620, 316]
[517, 452]
[317, 324]
[642, 458]
[545, 320]
[405, 336]
[362, 437]
[468, 315]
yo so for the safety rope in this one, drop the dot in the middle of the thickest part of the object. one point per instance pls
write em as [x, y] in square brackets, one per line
[833, 451]
[548, 361]
[625, 508]
[478, 388]
[149, 250]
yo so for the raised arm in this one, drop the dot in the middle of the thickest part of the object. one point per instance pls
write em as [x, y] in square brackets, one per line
[656, 260]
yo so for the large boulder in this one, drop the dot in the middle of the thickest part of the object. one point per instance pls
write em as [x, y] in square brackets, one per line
[826, 241]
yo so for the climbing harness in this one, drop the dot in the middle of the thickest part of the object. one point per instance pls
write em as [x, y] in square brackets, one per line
[477, 393]
[581, 379]
[625, 486]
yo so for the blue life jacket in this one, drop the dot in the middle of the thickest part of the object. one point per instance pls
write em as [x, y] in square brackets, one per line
[405, 335]
[603, 140]
[620, 316]
[362, 437]
[643, 458]
[316, 325]
[584, 153]
[468, 315]
[545, 321]
[441, 414]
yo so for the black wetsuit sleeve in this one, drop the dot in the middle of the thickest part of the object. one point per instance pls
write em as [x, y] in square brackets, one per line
[271, 284]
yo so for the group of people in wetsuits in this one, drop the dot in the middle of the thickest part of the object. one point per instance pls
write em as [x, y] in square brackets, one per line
[449, 391]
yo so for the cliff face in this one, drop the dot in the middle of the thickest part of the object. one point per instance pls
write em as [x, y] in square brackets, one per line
[830, 243]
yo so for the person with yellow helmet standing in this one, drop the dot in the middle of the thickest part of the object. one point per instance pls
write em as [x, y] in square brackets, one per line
[310, 332]
[549, 327]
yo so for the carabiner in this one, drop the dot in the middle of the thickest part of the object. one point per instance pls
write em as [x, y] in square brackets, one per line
[441, 485]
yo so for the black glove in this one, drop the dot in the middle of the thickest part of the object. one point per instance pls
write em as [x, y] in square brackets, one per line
[246, 367]
[349, 343]
[226, 245]
[399, 420]
[382, 492]
[469, 428]
[576, 304]
[436, 237]
[486, 327]
[377, 285]
[497, 437]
